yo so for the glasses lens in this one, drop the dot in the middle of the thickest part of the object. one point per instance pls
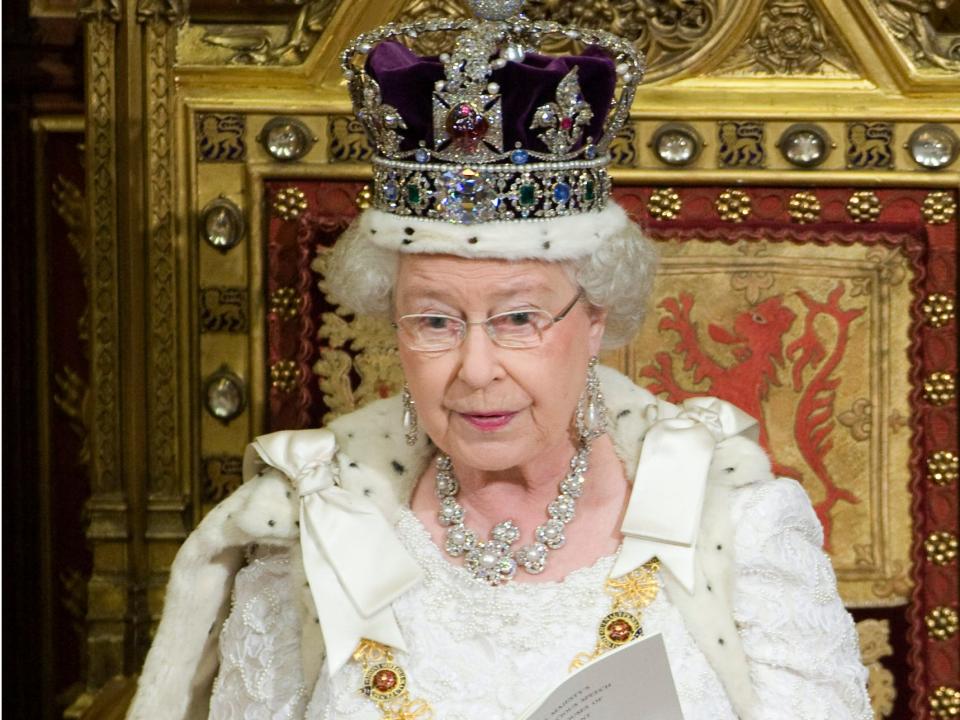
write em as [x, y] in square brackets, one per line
[430, 332]
[519, 328]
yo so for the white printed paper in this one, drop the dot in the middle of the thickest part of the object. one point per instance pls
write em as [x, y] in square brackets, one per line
[631, 682]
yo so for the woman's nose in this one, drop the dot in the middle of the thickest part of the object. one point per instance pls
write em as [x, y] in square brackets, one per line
[479, 357]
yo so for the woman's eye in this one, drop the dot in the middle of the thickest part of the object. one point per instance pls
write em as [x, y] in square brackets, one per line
[435, 322]
[519, 318]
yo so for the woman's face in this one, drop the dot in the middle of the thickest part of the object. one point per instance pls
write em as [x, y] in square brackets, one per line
[489, 407]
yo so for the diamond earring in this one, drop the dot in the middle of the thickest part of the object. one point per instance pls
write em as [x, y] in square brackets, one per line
[411, 429]
[591, 417]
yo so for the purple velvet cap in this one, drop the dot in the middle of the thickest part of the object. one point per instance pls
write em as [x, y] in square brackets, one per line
[407, 82]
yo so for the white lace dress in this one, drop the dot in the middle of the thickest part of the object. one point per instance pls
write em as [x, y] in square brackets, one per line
[477, 652]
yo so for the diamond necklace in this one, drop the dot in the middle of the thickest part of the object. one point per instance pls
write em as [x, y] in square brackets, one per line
[494, 561]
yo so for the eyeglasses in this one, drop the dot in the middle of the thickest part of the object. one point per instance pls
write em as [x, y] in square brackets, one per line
[522, 328]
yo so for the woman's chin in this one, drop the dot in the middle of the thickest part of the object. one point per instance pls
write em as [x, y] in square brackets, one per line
[490, 452]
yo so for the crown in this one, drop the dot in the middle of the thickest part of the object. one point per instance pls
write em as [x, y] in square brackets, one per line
[494, 129]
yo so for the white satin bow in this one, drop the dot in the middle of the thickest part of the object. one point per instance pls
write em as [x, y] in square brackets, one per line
[663, 515]
[354, 562]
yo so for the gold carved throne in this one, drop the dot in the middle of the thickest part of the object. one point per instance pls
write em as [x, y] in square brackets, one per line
[795, 161]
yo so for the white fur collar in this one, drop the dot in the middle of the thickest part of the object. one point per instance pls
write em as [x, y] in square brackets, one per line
[374, 461]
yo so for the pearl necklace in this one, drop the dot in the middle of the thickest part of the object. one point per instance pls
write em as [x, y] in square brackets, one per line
[494, 561]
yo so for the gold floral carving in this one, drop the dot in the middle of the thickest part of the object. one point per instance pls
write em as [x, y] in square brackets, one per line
[356, 344]
[864, 206]
[169, 10]
[665, 204]
[72, 395]
[257, 45]
[874, 646]
[910, 24]
[789, 38]
[669, 33]
[417, 10]
[942, 622]
[741, 144]
[804, 207]
[941, 547]
[945, 703]
[160, 36]
[104, 633]
[869, 145]
[859, 419]
[939, 388]
[101, 199]
[100, 10]
[733, 205]
[68, 202]
[942, 467]
[938, 309]
[939, 207]
[289, 203]
[348, 140]
[284, 303]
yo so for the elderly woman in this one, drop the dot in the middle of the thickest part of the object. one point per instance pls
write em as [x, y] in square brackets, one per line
[519, 510]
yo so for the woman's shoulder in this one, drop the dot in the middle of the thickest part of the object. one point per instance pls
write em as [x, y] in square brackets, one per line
[778, 506]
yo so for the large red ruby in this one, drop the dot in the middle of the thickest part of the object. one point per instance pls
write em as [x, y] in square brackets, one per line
[566, 123]
[619, 630]
[385, 680]
[466, 126]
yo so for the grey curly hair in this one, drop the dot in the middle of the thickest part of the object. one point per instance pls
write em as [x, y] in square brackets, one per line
[617, 277]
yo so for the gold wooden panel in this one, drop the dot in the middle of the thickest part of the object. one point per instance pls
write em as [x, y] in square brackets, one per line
[201, 95]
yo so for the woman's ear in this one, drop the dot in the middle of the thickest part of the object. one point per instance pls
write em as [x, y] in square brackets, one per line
[598, 324]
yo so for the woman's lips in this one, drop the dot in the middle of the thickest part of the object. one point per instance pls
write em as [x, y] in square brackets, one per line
[488, 421]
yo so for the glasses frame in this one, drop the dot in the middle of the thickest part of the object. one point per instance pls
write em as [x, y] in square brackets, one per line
[465, 325]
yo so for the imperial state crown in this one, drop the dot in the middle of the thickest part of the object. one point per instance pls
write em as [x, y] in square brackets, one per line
[495, 129]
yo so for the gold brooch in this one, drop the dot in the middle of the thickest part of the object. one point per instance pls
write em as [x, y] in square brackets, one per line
[385, 683]
[631, 594]
[618, 628]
